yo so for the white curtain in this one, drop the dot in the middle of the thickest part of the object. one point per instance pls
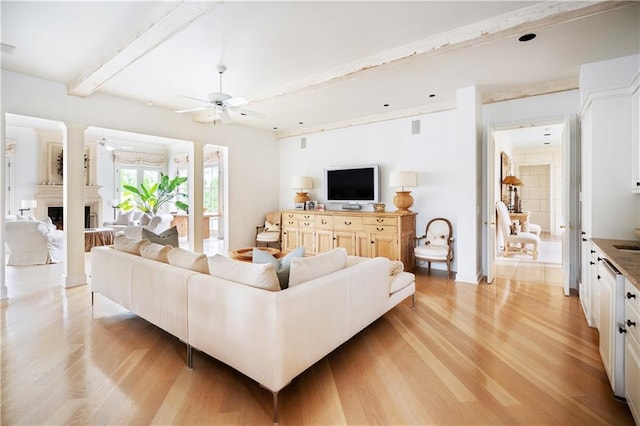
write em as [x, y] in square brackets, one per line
[139, 158]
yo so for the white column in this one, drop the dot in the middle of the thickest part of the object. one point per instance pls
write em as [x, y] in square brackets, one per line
[196, 197]
[3, 203]
[468, 244]
[73, 202]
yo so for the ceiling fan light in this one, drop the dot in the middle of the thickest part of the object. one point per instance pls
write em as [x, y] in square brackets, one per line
[236, 101]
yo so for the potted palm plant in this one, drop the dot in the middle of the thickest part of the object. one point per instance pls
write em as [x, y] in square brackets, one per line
[151, 199]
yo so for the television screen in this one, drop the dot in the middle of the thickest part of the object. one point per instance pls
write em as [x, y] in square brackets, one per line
[352, 184]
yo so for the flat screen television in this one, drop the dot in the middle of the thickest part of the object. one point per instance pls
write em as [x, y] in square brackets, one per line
[352, 184]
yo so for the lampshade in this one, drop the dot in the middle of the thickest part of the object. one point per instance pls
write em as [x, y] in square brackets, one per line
[403, 179]
[302, 182]
[29, 204]
[512, 180]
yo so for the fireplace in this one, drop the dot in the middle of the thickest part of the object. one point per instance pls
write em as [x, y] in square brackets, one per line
[50, 197]
[56, 213]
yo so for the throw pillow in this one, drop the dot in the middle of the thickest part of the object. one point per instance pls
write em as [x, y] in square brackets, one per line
[188, 260]
[271, 227]
[307, 268]
[282, 266]
[126, 244]
[168, 237]
[251, 274]
[155, 252]
[124, 217]
[145, 219]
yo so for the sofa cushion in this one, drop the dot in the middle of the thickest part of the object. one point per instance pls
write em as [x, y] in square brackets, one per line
[395, 266]
[260, 275]
[188, 260]
[168, 237]
[155, 251]
[282, 266]
[124, 218]
[307, 268]
[124, 243]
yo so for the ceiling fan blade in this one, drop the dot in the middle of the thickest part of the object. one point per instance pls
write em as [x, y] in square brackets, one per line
[202, 108]
[236, 101]
[194, 99]
[225, 117]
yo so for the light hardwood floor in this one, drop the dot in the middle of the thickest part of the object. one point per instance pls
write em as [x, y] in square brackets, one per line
[513, 352]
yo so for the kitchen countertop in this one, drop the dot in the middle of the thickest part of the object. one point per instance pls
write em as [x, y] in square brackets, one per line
[627, 262]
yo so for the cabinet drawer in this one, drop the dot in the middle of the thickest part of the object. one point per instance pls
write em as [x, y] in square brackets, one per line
[347, 223]
[324, 222]
[305, 217]
[287, 223]
[380, 221]
[289, 216]
[306, 224]
[380, 229]
[631, 295]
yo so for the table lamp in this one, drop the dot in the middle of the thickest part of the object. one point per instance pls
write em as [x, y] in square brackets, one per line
[403, 199]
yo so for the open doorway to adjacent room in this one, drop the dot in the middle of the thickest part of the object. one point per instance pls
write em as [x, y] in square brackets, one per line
[533, 154]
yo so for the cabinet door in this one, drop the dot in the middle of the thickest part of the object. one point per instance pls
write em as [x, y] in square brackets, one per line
[289, 238]
[364, 245]
[324, 240]
[385, 245]
[632, 376]
[346, 240]
[307, 239]
[606, 323]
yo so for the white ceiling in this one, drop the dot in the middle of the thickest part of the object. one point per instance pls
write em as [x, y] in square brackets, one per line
[322, 64]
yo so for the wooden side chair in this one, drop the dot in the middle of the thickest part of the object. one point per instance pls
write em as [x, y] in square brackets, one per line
[438, 244]
[268, 234]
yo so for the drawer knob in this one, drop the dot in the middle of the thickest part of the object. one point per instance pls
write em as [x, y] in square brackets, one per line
[379, 229]
[592, 251]
[347, 223]
[592, 262]
[621, 330]
[631, 323]
[630, 295]
[379, 220]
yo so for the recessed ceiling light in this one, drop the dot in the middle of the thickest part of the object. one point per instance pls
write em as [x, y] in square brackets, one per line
[242, 113]
[527, 37]
[547, 134]
[547, 143]
[385, 105]
[300, 122]
[275, 128]
[432, 95]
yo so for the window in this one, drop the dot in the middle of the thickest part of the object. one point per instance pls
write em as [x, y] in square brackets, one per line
[211, 189]
[133, 176]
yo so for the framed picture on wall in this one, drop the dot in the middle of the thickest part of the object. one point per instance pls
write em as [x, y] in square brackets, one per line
[505, 170]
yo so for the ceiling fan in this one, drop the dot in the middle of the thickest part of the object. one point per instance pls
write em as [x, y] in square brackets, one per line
[221, 103]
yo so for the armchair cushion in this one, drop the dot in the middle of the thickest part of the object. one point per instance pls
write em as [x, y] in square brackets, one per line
[431, 251]
[281, 266]
[168, 237]
[124, 218]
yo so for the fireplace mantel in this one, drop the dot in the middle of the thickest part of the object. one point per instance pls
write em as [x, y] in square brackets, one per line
[52, 196]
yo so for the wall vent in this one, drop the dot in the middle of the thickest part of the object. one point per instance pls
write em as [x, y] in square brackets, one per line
[415, 127]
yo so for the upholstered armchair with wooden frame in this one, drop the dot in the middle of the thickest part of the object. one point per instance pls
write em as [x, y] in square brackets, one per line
[268, 234]
[438, 245]
[515, 242]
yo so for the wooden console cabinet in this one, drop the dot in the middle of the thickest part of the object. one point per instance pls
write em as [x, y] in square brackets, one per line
[367, 234]
[181, 221]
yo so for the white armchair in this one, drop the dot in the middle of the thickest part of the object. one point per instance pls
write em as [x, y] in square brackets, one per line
[438, 245]
[519, 243]
[32, 242]
[157, 224]
[124, 219]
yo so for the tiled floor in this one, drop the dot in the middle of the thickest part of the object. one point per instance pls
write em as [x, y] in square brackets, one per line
[547, 269]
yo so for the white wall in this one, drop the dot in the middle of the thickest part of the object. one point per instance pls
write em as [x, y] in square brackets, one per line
[390, 144]
[25, 166]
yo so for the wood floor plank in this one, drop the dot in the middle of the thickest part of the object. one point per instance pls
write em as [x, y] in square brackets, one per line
[513, 352]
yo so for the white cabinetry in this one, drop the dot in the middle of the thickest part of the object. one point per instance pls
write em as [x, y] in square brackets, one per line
[632, 348]
[589, 289]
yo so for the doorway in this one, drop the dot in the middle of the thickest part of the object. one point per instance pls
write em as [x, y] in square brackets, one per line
[534, 153]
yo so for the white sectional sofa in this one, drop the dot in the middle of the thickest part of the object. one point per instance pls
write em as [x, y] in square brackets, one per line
[237, 310]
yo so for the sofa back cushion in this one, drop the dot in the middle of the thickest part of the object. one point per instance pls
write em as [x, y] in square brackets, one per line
[307, 268]
[124, 243]
[261, 275]
[155, 251]
[188, 260]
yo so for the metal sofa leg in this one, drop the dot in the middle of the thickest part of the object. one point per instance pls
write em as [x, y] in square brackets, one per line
[92, 293]
[189, 357]
[275, 407]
